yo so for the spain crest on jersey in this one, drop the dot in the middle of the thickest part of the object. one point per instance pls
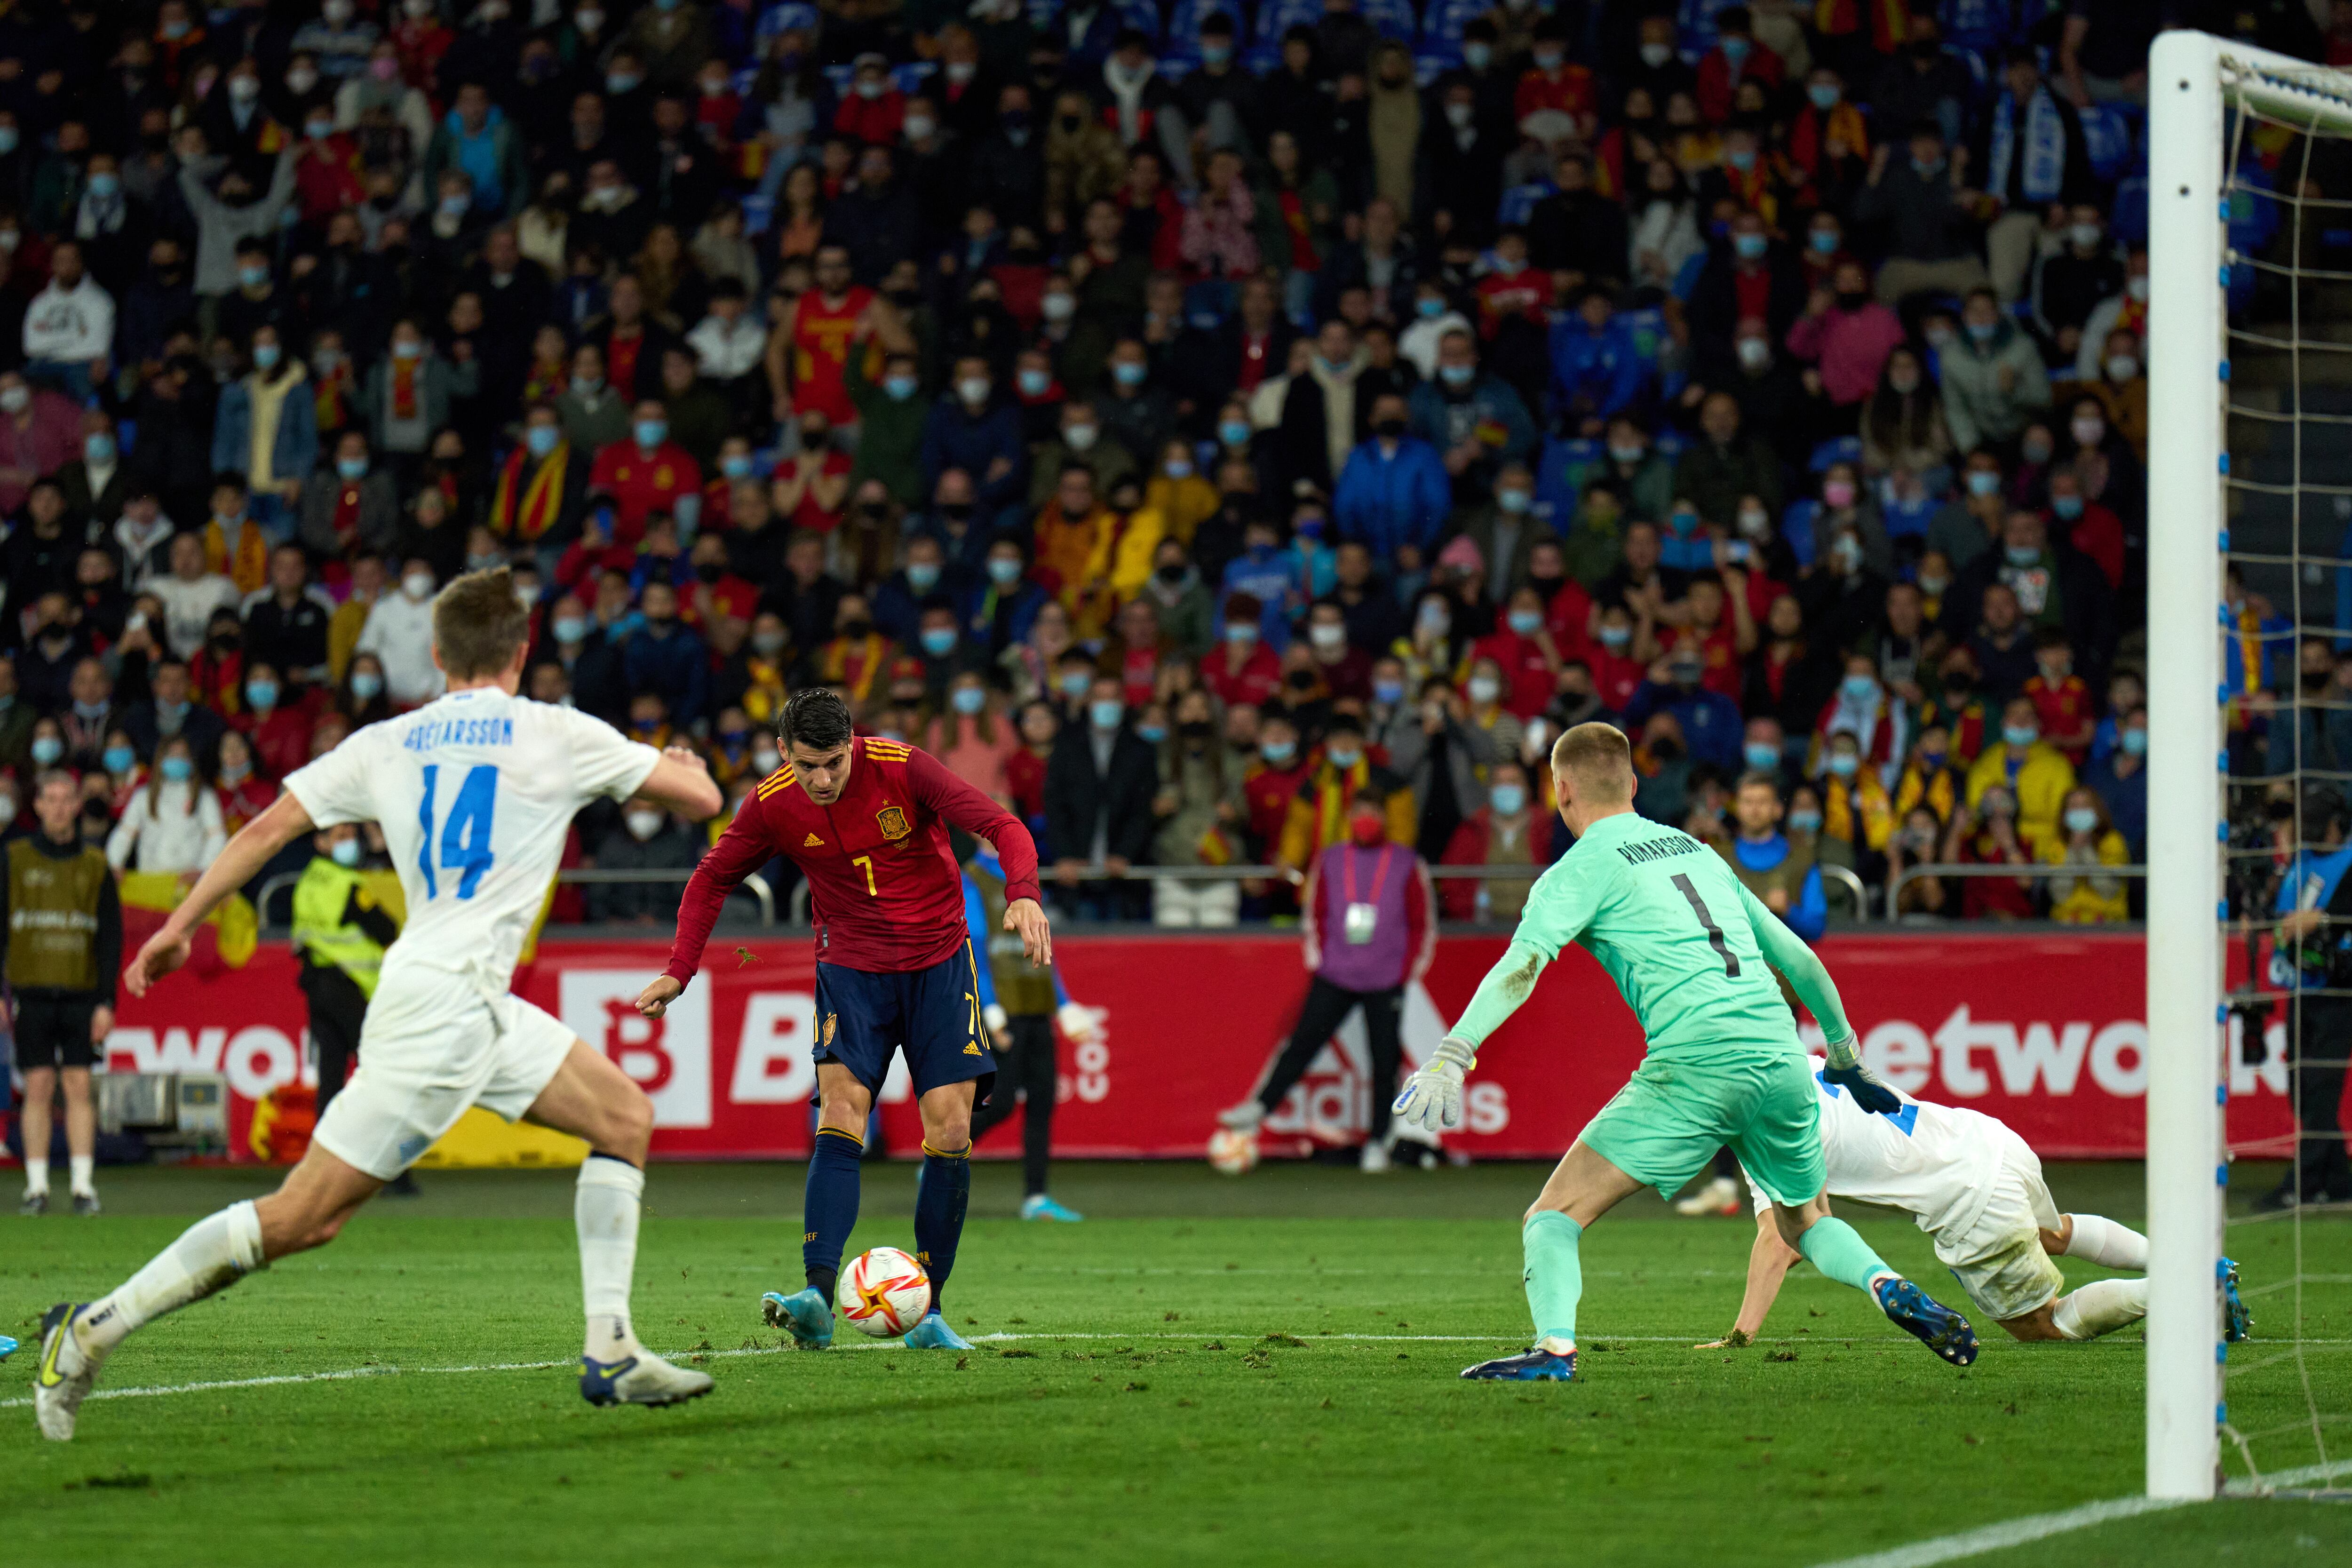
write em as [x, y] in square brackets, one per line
[893, 822]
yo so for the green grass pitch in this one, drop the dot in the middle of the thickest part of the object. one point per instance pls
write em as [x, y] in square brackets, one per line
[1209, 1372]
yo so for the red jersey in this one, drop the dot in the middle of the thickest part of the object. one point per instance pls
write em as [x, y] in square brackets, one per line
[1527, 678]
[1523, 293]
[641, 482]
[822, 335]
[1253, 682]
[885, 889]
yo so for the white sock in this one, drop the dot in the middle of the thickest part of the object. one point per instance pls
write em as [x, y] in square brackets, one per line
[36, 1175]
[211, 1255]
[605, 1207]
[2101, 1307]
[2100, 1240]
[85, 1171]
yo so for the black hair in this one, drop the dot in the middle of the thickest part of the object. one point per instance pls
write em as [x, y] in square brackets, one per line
[817, 718]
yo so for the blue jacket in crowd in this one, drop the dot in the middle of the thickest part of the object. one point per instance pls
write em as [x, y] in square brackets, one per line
[1389, 500]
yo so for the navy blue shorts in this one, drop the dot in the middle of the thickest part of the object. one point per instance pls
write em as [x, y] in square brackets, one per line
[932, 1015]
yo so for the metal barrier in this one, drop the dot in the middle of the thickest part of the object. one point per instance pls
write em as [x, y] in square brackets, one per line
[1844, 877]
[2038, 871]
[754, 884]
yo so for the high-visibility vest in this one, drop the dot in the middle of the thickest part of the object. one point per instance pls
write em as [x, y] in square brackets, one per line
[321, 931]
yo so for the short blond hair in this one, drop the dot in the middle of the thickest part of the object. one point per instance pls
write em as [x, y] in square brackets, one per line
[479, 624]
[1600, 758]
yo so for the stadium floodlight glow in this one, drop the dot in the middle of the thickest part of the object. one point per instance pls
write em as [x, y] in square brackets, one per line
[2206, 95]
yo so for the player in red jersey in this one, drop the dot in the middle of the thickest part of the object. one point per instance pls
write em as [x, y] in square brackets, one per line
[866, 820]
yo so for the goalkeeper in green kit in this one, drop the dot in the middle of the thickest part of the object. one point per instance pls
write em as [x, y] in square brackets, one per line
[1688, 947]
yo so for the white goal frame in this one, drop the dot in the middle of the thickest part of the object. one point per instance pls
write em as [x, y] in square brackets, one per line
[2192, 77]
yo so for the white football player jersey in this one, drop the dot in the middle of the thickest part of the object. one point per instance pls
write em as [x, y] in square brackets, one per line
[475, 792]
[1936, 1162]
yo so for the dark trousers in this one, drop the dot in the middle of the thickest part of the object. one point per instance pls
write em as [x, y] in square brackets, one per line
[2319, 1040]
[1326, 1008]
[338, 1008]
[1025, 1065]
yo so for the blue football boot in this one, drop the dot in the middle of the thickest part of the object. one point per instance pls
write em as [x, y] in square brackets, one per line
[1536, 1366]
[806, 1315]
[641, 1379]
[2237, 1322]
[933, 1334]
[1935, 1325]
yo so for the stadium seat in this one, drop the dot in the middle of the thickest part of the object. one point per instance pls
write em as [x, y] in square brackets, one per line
[1836, 450]
[2111, 137]
[1183, 33]
[1394, 18]
[1275, 18]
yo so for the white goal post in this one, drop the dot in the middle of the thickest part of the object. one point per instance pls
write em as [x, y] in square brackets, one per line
[2193, 79]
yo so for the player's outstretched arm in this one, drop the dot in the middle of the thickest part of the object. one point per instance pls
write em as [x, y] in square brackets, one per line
[744, 847]
[1768, 1261]
[285, 821]
[1432, 1098]
[1785, 950]
[960, 804]
[682, 782]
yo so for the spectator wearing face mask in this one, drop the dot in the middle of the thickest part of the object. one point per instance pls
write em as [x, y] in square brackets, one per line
[1994, 381]
[1393, 492]
[2121, 780]
[1847, 336]
[1988, 834]
[2086, 838]
[648, 839]
[172, 824]
[2036, 775]
[1707, 724]
[399, 634]
[1509, 830]
[229, 211]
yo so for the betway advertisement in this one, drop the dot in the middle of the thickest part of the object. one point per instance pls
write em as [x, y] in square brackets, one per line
[2045, 1031]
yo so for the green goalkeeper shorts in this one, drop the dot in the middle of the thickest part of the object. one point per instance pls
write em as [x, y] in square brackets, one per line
[1666, 1123]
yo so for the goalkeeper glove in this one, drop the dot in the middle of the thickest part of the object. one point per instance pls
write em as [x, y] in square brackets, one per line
[1845, 1071]
[1432, 1096]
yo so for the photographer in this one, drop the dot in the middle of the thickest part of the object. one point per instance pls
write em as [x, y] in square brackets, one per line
[2311, 959]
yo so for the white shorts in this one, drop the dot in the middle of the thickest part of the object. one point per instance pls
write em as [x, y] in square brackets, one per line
[1999, 1260]
[428, 1053]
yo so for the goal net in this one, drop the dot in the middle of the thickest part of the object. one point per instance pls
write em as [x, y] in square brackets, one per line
[2250, 485]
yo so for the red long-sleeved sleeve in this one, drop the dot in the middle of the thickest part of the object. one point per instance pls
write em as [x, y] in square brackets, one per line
[743, 848]
[960, 804]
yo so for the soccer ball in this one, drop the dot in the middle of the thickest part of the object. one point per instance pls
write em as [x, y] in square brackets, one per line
[883, 1292]
[1233, 1152]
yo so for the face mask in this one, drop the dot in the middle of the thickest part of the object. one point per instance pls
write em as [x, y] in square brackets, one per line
[1477, 55]
[1507, 799]
[1755, 523]
[1928, 169]
[1804, 821]
[253, 278]
[1343, 759]
[1845, 554]
[346, 853]
[899, 387]
[264, 357]
[1485, 688]
[1762, 757]
[352, 468]
[383, 69]
[15, 399]
[2020, 735]
[2086, 236]
[570, 628]
[1526, 623]
[244, 89]
[118, 759]
[1983, 482]
[407, 348]
[973, 390]
[1931, 586]
[1107, 713]
[1838, 493]
[1616, 637]
[967, 699]
[1657, 55]
[1902, 385]
[2134, 742]
[2067, 508]
[1278, 753]
[104, 186]
[178, 769]
[768, 643]
[1843, 764]
[939, 641]
[417, 585]
[2089, 432]
[620, 82]
[367, 685]
[2137, 287]
[1079, 438]
[262, 695]
[1458, 115]
[1749, 247]
[587, 386]
[2035, 451]
[1741, 158]
[1861, 688]
[2122, 367]
[1059, 307]
[8, 139]
[46, 751]
[652, 433]
[1003, 571]
[455, 205]
[1683, 523]
[1823, 241]
[643, 825]
[1824, 96]
[542, 439]
[1241, 634]
[1429, 310]
[2022, 554]
[2081, 819]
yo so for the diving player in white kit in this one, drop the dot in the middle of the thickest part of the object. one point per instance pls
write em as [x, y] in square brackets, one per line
[1977, 1188]
[473, 792]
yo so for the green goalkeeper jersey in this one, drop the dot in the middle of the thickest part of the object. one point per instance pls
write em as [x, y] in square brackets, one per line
[1687, 945]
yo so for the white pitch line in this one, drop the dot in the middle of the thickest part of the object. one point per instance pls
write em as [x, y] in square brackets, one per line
[2041, 1526]
[1241, 1337]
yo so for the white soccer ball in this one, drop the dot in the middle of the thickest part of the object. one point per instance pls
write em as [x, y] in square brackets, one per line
[883, 1292]
[1232, 1151]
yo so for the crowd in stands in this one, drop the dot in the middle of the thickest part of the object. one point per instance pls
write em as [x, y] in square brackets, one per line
[1177, 420]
